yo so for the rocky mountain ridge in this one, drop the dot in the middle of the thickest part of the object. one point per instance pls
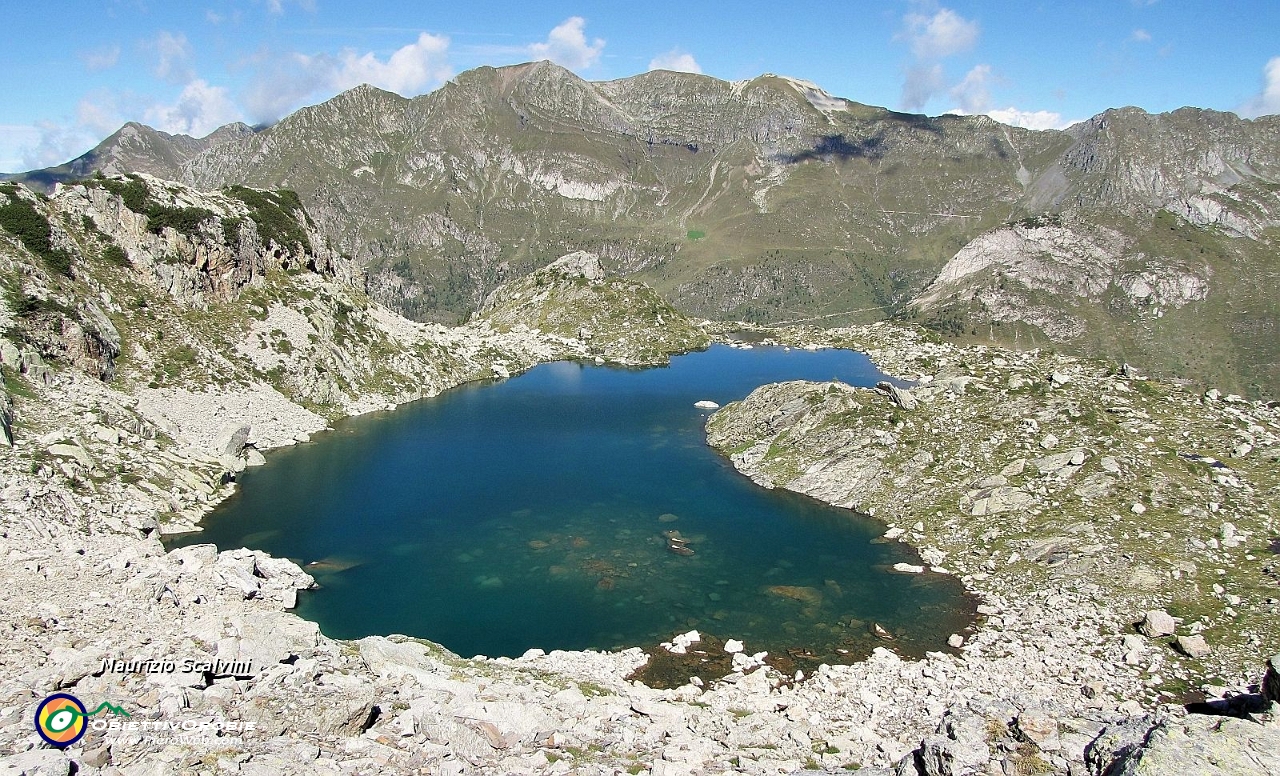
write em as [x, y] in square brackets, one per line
[769, 200]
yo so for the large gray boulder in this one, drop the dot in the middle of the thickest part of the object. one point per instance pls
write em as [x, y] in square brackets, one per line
[1157, 623]
[902, 398]
[1038, 727]
[1115, 744]
[6, 420]
[231, 440]
[1197, 745]
[959, 747]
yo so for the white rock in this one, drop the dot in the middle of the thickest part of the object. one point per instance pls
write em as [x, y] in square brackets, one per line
[907, 568]
[231, 439]
[76, 452]
[1156, 623]
[732, 646]
[706, 404]
[680, 644]
[1193, 646]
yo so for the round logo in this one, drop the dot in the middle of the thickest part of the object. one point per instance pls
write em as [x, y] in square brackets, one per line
[61, 719]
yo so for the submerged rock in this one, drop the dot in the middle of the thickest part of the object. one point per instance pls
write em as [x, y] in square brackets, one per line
[808, 595]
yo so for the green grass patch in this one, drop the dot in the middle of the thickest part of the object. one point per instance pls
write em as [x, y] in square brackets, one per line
[14, 385]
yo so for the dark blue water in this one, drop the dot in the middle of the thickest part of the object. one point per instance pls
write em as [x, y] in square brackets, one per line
[531, 513]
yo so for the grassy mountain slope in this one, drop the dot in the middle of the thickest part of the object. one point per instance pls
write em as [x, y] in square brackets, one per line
[769, 200]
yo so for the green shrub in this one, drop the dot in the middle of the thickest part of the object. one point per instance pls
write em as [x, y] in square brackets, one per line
[186, 220]
[274, 213]
[58, 262]
[20, 218]
[137, 197]
[133, 191]
[114, 254]
[231, 232]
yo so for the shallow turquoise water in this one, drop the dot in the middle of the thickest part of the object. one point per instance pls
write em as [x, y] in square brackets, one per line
[531, 513]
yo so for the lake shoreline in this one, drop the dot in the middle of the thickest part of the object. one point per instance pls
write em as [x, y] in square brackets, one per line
[1039, 681]
[574, 513]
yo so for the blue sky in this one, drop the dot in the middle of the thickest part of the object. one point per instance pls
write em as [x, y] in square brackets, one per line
[78, 70]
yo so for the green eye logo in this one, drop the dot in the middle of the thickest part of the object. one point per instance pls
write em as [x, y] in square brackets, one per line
[62, 720]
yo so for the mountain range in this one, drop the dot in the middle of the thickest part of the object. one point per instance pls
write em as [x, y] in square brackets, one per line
[1148, 239]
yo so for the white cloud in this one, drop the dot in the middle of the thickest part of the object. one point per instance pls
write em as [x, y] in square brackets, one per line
[1268, 100]
[49, 143]
[54, 144]
[1015, 117]
[199, 110]
[567, 45]
[921, 83]
[973, 93]
[276, 7]
[935, 33]
[939, 35]
[677, 60]
[101, 117]
[406, 71]
[100, 58]
[14, 140]
[284, 82]
[1140, 36]
[1030, 119]
[173, 57]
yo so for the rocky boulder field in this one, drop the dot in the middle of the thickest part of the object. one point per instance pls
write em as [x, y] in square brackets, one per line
[1118, 531]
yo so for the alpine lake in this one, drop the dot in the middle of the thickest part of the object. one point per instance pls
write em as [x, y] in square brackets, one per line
[579, 507]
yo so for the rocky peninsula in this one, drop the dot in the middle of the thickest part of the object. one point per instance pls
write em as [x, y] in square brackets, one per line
[160, 339]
